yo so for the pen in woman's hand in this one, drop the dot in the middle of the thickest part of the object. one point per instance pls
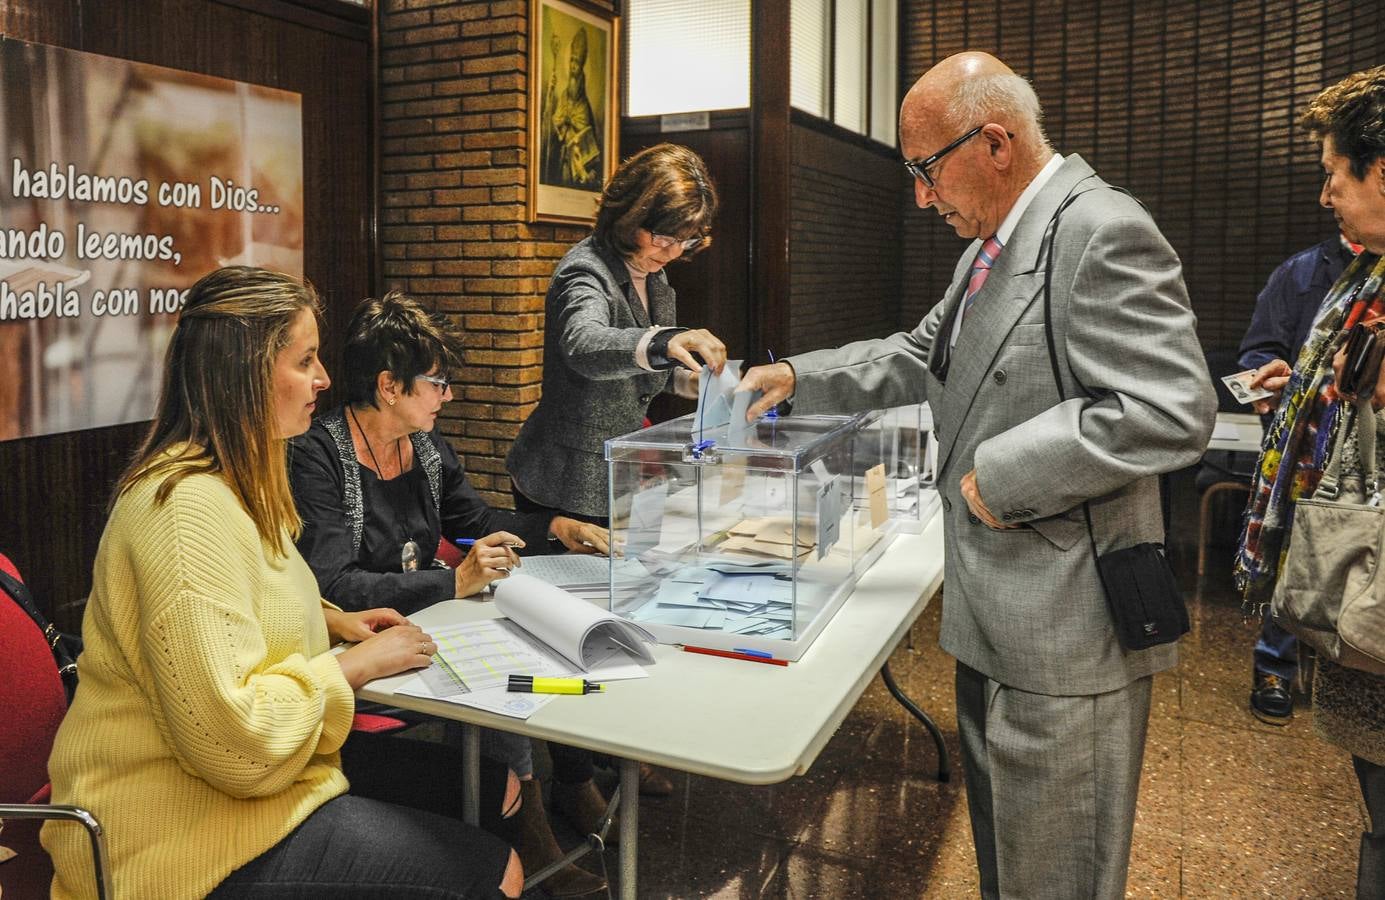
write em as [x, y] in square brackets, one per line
[469, 542]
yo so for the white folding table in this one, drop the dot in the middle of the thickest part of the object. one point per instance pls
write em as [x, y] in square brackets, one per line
[738, 721]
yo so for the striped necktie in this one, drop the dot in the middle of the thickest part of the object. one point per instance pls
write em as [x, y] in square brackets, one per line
[985, 258]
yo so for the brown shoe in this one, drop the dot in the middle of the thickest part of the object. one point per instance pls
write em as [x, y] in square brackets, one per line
[537, 848]
[584, 808]
[653, 782]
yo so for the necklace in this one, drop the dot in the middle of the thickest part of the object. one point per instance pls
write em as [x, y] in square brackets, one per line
[408, 554]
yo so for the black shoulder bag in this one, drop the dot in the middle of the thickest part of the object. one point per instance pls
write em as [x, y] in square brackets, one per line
[1141, 592]
[66, 647]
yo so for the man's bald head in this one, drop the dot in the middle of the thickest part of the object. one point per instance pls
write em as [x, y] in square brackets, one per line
[968, 89]
[971, 128]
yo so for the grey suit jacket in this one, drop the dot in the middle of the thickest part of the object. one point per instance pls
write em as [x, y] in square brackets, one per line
[1024, 606]
[592, 388]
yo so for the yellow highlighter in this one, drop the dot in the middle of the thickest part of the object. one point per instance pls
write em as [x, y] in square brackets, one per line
[528, 684]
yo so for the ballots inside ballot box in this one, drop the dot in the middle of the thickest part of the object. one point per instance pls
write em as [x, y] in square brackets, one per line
[892, 468]
[746, 537]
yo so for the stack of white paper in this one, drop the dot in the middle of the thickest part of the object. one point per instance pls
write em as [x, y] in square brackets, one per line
[589, 576]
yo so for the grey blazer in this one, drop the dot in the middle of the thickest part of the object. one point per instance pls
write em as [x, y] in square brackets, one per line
[1024, 606]
[592, 388]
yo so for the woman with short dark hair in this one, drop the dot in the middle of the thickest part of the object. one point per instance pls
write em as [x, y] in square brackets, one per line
[611, 340]
[1348, 119]
[377, 485]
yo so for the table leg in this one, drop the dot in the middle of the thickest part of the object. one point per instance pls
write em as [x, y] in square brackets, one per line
[944, 768]
[629, 825]
[471, 774]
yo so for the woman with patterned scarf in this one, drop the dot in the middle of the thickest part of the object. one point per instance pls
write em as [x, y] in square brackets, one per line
[1349, 704]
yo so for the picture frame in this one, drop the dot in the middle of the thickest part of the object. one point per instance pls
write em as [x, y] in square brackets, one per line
[574, 113]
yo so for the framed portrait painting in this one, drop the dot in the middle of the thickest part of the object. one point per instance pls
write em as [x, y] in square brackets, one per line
[573, 113]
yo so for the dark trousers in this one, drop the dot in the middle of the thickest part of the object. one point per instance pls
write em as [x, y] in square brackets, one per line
[1370, 872]
[1276, 652]
[571, 765]
[398, 833]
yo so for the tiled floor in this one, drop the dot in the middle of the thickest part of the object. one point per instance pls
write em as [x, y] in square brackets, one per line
[1228, 808]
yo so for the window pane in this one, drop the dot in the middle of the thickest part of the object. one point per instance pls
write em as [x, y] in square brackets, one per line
[884, 70]
[687, 55]
[849, 89]
[808, 56]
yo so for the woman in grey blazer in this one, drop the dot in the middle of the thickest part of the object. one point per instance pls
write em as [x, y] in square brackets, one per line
[611, 342]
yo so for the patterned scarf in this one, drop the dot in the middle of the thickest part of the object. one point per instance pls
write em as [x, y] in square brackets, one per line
[1296, 447]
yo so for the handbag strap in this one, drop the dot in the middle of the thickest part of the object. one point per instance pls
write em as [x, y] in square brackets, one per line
[1329, 487]
[1046, 248]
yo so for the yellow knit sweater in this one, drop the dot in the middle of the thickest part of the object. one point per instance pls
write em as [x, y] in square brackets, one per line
[209, 713]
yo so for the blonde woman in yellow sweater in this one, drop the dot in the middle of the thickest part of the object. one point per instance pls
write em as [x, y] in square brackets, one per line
[207, 730]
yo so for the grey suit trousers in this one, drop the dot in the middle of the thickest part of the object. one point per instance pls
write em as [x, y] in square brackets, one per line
[1051, 786]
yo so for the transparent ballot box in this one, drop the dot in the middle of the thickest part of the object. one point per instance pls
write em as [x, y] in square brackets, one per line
[736, 537]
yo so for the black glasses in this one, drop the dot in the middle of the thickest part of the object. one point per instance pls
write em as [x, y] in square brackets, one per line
[919, 168]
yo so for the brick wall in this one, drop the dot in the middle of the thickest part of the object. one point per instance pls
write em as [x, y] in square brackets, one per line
[452, 221]
[1189, 104]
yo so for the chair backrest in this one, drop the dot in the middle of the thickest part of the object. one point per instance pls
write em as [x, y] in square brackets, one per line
[31, 694]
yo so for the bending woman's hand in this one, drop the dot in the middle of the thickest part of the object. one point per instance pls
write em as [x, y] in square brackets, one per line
[580, 537]
[394, 650]
[492, 557]
[359, 626]
[683, 345]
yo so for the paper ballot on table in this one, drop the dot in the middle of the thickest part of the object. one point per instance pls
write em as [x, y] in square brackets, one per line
[577, 570]
[572, 626]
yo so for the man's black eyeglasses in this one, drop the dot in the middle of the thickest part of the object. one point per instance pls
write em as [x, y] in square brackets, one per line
[919, 168]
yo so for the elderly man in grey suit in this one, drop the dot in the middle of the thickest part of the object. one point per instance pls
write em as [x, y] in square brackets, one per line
[1052, 711]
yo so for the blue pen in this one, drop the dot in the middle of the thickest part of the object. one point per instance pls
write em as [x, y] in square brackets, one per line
[756, 653]
[468, 542]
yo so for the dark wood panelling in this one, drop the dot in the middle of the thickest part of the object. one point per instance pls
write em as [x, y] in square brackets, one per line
[714, 286]
[53, 490]
[769, 170]
[844, 259]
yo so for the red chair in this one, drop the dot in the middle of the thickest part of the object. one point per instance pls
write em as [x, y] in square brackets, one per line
[371, 723]
[449, 553]
[31, 693]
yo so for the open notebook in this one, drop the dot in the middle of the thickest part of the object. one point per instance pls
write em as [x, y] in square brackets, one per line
[580, 631]
[546, 632]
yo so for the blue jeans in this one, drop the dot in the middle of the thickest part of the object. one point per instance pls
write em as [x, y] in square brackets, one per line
[1276, 652]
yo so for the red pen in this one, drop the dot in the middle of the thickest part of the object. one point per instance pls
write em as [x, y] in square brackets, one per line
[731, 654]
